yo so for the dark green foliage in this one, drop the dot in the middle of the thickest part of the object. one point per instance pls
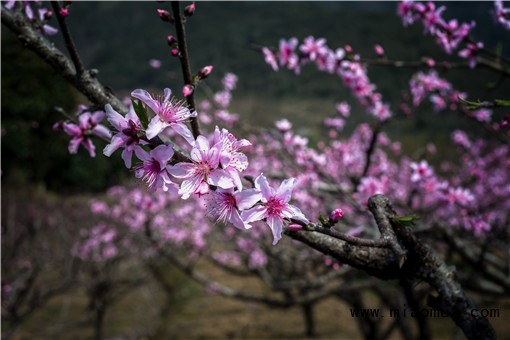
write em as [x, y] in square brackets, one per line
[31, 151]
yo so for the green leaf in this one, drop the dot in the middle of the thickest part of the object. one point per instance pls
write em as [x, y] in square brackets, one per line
[469, 104]
[407, 220]
[323, 220]
[502, 102]
[141, 112]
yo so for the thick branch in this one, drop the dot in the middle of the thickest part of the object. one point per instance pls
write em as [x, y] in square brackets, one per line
[86, 82]
[422, 262]
[378, 262]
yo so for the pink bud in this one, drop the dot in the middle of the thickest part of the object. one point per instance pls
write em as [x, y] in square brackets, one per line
[175, 52]
[429, 61]
[294, 227]
[348, 49]
[187, 90]
[336, 215]
[379, 50]
[205, 71]
[164, 15]
[64, 12]
[189, 10]
[48, 15]
[171, 40]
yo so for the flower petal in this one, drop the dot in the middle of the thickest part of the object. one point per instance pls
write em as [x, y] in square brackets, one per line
[256, 213]
[146, 97]
[115, 143]
[155, 127]
[102, 131]
[115, 118]
[181, 170]
[262, 184]
[247, 198]
[162, 153]
[236, 220]
[127, 155]
[142, 154]
[167, 92]
[285, 190]
[183, 130]
[220, 178]
[276, 225]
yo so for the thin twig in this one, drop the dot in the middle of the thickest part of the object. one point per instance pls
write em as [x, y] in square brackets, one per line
[71, 47]
[185, 64]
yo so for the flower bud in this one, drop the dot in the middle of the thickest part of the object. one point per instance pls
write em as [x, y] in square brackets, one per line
[171, 40]
[48, 15]
[336, 215]
[205, 72]
[348, 49]
[189, 10]
[64, 12]
[187, 90]
[164, 15]
[379, 50]
[175, 52]
[294, 227]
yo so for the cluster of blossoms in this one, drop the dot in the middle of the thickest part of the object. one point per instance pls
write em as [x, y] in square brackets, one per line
[449, 35]
[215, 162]
[442, 95]
[36, 13]
[217, 108]
[502, 14]
[98, 244]
[86, 127]
[341, 61]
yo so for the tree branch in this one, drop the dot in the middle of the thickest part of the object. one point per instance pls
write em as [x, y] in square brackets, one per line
[86, 82]
[185, 63]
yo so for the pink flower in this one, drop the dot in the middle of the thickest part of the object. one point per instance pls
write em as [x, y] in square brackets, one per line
[154, 166]
[127, 135]
[155, 63]
[202, 171]
[229, 81]
[343, 109]
[283, 125]
[224, 205]
[232, 160]
[88, 125]
[169, 113]
[483, 115]
[502, 14]
[471, 52]
[421, 171]
[274, 206]
[459, 196]
[313, 48]
[287, 55]
[270, 58]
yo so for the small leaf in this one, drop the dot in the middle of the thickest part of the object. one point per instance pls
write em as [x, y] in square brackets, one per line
[141, 112]
[502, 102]
[323, 220]
[407, 220]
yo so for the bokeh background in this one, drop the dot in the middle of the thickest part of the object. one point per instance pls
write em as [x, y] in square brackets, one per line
[40, 178]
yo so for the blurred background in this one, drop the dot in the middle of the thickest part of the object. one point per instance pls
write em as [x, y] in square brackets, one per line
[41, 181]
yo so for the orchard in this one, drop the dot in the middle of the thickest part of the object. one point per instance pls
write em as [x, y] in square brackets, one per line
[167, 208]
